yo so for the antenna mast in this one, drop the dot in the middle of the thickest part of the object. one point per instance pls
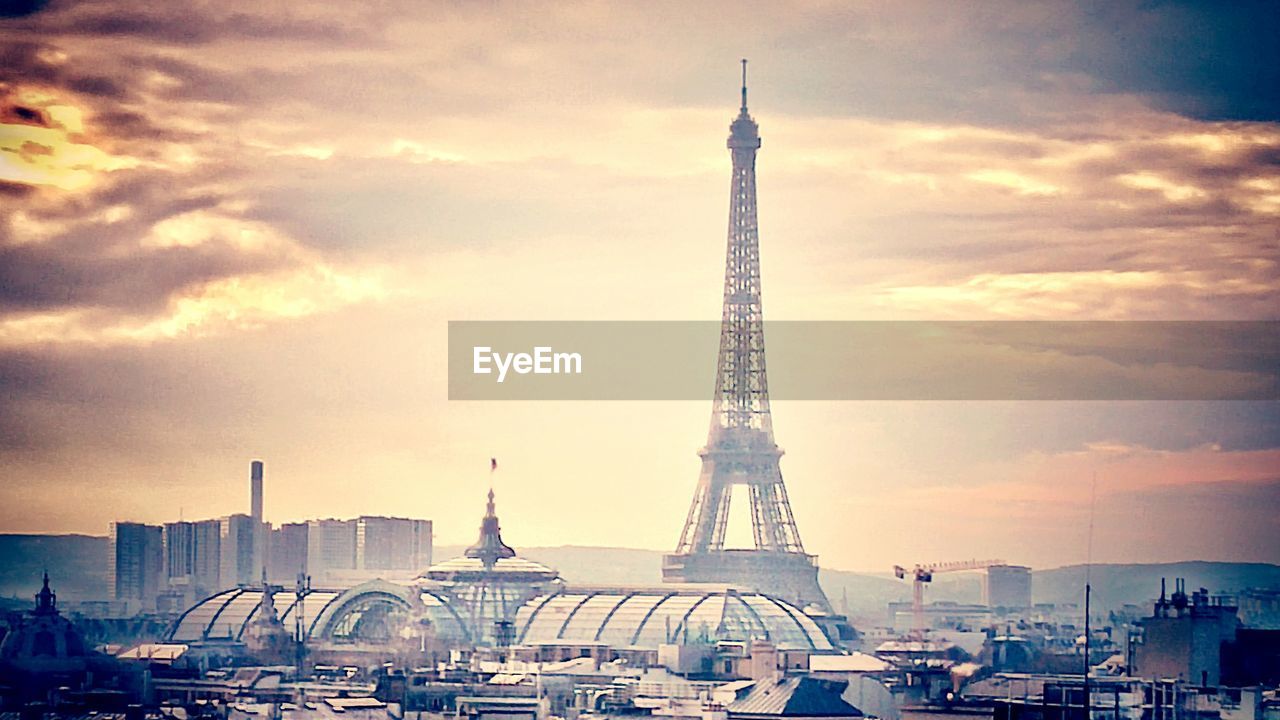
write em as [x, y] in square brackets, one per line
[1088, 592]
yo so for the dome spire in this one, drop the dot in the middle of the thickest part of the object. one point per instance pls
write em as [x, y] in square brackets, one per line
[490, 548]
[46, 599]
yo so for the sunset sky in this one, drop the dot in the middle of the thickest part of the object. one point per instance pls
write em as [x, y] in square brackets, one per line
[238, 230]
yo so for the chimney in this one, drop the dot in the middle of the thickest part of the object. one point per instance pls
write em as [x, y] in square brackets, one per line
[255, 490]
[255, 511]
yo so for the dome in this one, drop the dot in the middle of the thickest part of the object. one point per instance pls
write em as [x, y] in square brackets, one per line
[490, 582]
[508, 569]
[647, 618]
[489, 559]
[44, 641]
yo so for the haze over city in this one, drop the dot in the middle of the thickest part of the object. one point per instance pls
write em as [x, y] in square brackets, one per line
[238, 232]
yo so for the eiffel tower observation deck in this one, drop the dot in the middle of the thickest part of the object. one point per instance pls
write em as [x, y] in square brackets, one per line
[740, 448]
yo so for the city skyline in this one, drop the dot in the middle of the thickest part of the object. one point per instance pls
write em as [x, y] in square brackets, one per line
[217, 248]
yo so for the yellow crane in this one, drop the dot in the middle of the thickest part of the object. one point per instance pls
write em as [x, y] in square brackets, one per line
[923, 573]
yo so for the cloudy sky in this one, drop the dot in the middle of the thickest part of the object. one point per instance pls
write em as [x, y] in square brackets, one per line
[238, 229]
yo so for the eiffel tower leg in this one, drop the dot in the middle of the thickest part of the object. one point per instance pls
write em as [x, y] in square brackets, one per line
[759, 523]
[691, 523]
[790, 540]
[724, 492]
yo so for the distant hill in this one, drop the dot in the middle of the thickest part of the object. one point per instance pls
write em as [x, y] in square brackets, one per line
[868, 594]
[586, 565]
[1116, 585]
[78, 564]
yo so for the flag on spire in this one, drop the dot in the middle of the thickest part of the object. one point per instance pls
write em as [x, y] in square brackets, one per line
[493, 464]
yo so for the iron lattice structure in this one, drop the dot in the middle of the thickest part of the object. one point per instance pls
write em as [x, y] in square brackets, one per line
[740, 446]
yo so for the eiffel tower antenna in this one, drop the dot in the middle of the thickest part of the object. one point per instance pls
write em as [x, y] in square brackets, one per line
[740, 449]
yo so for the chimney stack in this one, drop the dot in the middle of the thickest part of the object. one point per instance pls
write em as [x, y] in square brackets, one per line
[255, 510]
[255, 490]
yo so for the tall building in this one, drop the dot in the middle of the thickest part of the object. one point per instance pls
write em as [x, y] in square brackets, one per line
[237, 541]
[331, 549]
[740, 449]
[179, 550]
[179, 563]
[192, 559]
[384, 543]
[346, 552]
[287, 553]
[206, 577]
[135, 565]
[179, 566]
[1007, 586]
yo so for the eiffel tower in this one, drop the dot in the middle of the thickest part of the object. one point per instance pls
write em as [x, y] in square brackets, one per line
[740, 447]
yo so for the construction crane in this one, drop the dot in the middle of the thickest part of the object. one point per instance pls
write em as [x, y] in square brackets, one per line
[923, 573]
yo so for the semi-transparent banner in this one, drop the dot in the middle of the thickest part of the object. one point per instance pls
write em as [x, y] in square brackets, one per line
[816, 360]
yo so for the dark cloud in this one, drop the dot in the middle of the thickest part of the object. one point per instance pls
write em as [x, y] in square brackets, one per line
[108, 99]
[1196, 215]
[189, 24]
[1265, 157]
[98, 85]
[26, 116]
[1203, 59]
[102, 266]
[1213, 171]
[71, 47]
[21, 61]
[136, 128]
[193, 81]
[1004, 63]
[42, 277]
[14, 113]
[164, 26]
[19, 8]
[15, 190]
[150, 195]
[104, 86]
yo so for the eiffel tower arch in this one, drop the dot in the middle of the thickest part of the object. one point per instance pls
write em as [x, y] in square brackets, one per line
[740, 449]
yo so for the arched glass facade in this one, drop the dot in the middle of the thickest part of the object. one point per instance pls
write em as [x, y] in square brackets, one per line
[366, 613]
[620, 618]
[651, 617]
